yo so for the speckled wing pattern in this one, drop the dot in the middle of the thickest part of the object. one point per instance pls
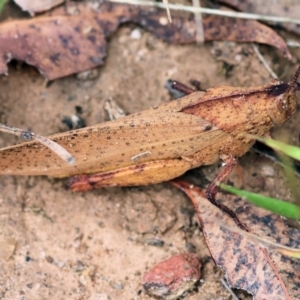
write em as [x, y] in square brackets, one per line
[155, 134]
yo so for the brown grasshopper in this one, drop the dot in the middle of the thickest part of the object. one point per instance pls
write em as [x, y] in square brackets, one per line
[162, 143]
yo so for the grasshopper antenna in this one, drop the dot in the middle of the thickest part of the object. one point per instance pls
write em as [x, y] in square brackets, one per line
[294, 81]
[28, 135]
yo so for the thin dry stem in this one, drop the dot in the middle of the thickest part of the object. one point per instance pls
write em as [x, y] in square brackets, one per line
[227, 287]
[199, 24]
[230, 14]
[265, 243]
[293, 44]
[263, 61]
[166, 3]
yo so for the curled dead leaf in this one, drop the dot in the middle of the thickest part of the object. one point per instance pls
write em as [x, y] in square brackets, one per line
[280, 8]
[248, 266]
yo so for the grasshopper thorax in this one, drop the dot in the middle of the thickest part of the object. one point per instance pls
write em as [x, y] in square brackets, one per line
[283, 100]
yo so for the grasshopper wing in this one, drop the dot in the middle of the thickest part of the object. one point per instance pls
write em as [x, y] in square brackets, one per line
[155, 134]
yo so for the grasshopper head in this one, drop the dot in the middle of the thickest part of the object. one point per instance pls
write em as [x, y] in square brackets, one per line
[283, 99]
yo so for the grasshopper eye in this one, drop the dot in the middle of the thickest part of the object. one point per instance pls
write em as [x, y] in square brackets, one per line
[279, 89]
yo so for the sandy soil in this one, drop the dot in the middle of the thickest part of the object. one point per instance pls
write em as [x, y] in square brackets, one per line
[97, 245]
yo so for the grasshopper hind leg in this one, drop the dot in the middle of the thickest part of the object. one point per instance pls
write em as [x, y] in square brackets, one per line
[213, 189]
[134, 175]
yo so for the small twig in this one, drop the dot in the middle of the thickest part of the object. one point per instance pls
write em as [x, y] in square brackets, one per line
[199, 24]
[265, 243]
[230, 14]
[292, 43]
[166, 3]
[263, 61]
[228, 288]
[28, 135]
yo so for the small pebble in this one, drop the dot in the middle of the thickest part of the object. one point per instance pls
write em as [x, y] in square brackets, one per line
[267, 171]
[99, 297]
[154, 242]
[49, 259]
[59, 263]
[117, 285]
[163, 21]
[136, 34]
[29, 285]
[88, 75]
[238, 58]
[173, 277]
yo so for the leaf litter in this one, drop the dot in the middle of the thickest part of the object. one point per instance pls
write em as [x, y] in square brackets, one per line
[248, 265]
[282, 8]
[63, 43]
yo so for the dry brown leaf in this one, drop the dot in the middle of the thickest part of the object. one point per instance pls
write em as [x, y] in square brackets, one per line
[60, 44]
[34, 6]
[264, 274]
[57, 46]
[280, 8]
[221, 28]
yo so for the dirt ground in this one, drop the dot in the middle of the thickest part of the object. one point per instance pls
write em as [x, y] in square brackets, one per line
[97, 245]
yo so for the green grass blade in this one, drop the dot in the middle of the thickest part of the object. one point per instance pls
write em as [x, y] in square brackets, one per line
[2, 3]
[289, 150]
[290, 176]
[283, 208]
[285, 152]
